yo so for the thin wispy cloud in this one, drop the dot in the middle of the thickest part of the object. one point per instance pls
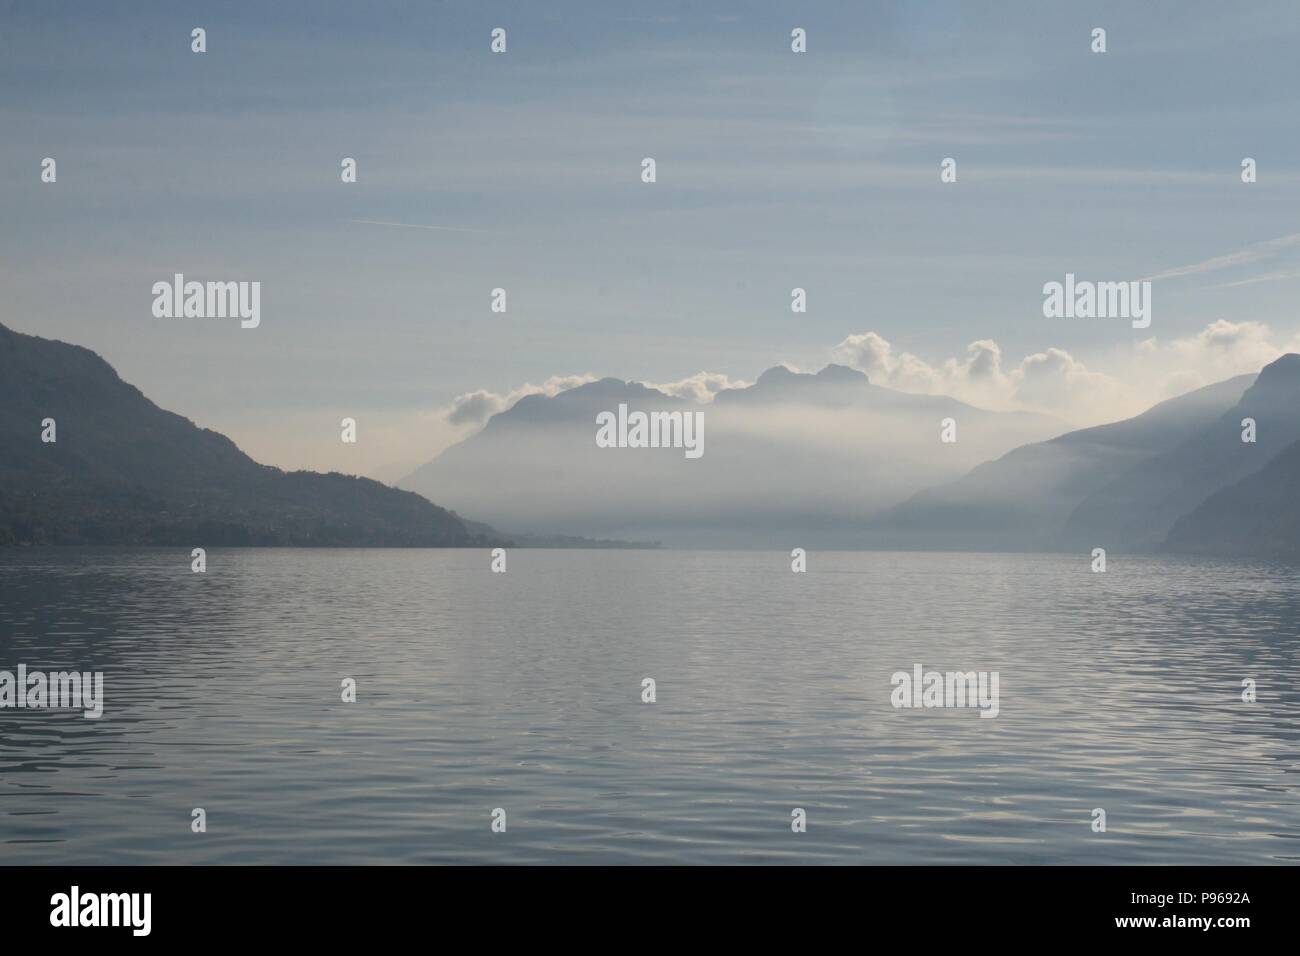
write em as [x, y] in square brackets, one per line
[1267, 277]
[1252, 253]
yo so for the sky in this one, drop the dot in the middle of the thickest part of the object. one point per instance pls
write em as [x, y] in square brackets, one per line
[522, 171]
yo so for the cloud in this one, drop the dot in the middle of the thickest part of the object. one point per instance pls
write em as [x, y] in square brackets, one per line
[475, 408]
[1054, 380]
[1266, 277]
[1252, 253]
[1220, 350]
[1115, 385]
[978, 375]
[1119, 384]
[700, 387]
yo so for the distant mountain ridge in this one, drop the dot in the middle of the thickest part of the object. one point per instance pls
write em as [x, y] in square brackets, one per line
[795, 454]
[824, 459]
[1136, 510]
[1024, 501]
[1177, 478]
[124, 471]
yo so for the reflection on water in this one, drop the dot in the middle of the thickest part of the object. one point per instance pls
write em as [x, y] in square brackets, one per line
[523, 691]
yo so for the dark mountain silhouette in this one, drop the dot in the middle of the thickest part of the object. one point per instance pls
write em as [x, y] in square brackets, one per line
[1257, 517]
[124, 471]
[1136, 510]
[780, 384]
[794, 457]
[1024, 500]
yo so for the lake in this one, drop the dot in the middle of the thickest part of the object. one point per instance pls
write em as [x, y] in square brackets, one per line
[523, 691]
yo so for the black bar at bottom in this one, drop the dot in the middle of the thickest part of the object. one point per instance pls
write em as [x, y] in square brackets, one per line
[331, 904]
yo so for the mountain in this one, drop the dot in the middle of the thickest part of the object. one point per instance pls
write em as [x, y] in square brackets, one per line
[1024, 500]
[1257, 517]
[837, 386]
[794, 459]
[1136, 510]
[124, 471]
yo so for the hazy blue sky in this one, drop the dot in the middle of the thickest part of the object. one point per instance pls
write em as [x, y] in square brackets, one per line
[775, 170]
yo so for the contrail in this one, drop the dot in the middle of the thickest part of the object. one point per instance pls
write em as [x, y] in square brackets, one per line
[1252, 253]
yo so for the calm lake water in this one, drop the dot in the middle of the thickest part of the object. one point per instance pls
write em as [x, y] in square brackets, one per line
[523, 691]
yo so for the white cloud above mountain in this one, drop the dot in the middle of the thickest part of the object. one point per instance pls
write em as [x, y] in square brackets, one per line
[476, 407]
[1118, 384]
[1108, 386]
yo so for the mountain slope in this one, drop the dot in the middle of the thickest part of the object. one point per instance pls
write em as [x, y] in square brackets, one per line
[124, 471]
[1256, 517]
[1136, 510]
[1023, 500]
